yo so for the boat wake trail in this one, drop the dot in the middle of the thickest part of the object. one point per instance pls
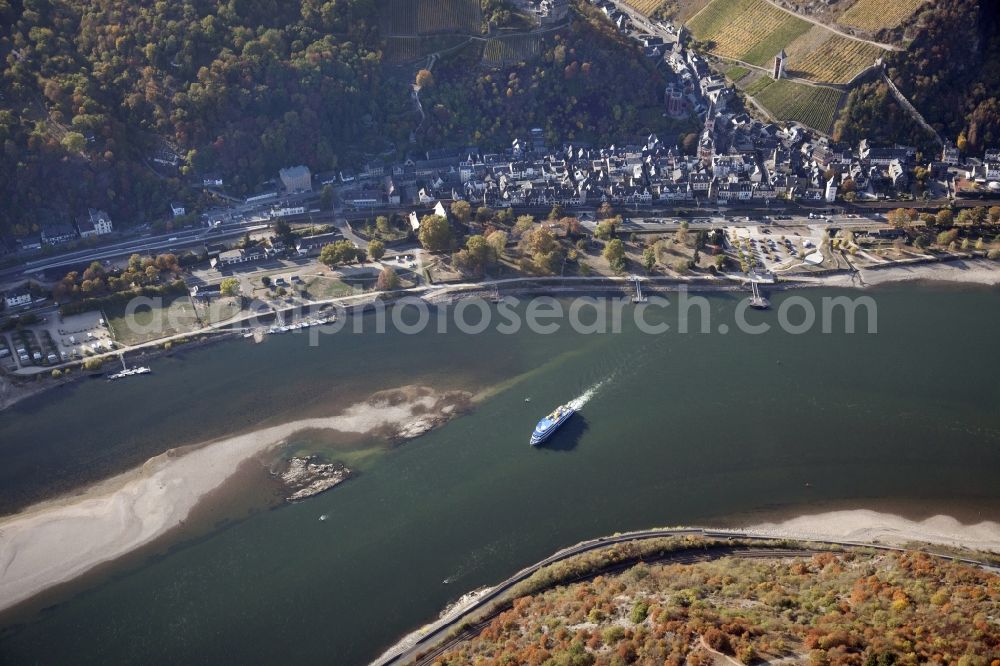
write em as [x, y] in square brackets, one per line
[581, 400]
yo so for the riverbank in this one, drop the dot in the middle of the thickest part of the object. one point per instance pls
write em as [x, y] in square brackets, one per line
[957, 271]
[12, 392]
[755, 603]
[590, 558]
[868, 526]
[61, 539]
[15, 388]
[969, 271]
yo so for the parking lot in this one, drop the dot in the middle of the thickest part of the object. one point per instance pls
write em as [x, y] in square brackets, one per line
[54, 341]
[776, 251]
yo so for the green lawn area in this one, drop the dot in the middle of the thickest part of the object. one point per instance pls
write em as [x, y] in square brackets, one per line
[176, 314]
[812, 106]
[218, 309]
[736, 73]
[368, 229]
[321, 288]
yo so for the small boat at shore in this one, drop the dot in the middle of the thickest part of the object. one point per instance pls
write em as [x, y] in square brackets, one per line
[758, 302]
[549, 424]
[129, 372]
[279, 328]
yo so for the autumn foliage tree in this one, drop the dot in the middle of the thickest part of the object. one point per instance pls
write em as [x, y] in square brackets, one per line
[462, 211]
[376, 249]
[387, 279]
[94, 90]
[848, 609]
[425, 78]
[541, 251]
[498, 242]
[97, 280]
[900, 218]
[477, 255]
[229, 287]
[614, 252]
[435, 233]
[338, 252]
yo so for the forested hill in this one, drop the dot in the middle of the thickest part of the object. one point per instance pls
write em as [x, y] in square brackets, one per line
[830, 609]
[94, 90]
[952, 70]
[951, 73]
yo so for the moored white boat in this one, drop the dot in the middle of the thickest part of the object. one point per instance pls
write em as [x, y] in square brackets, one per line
[129, 372]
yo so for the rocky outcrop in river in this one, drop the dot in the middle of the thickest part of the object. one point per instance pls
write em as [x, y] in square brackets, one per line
[305, 477]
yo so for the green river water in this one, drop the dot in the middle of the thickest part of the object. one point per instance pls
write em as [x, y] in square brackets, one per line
[679, 429]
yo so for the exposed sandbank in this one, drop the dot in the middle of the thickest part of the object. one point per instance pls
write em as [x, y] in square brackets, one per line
[56, 541]
[870, 526]
[959, 271]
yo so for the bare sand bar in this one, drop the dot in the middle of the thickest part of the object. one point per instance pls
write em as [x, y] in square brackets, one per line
[870, 526]
[59, 540]
[960, 271]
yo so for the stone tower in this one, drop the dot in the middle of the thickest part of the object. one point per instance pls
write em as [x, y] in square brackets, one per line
[674, 98]
[779, 65]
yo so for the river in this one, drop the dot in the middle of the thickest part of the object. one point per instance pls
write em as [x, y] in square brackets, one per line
[678, 429]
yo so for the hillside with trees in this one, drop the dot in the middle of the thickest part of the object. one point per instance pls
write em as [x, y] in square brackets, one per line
[950, 72]
[99, 96]
[94, 90]
[834, 609]
[589, 83]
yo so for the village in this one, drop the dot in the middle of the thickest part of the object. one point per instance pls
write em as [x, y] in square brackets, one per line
[730, 157]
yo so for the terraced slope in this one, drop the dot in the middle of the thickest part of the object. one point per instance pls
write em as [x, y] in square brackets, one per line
[813, 106]
[400, 50]
[875, 15]
[835, 59]
[645, 7]
[754, 31]
[749, 30]
[516, 48]
[427, 17]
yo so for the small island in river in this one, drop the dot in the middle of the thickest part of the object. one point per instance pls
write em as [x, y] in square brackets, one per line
[307, 476]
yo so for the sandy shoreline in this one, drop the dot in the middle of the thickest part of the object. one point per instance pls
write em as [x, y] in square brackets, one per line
[871, 526]
[58, 540]
[957, 271]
